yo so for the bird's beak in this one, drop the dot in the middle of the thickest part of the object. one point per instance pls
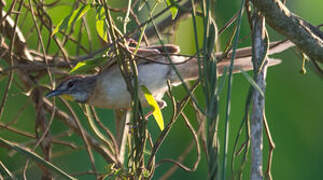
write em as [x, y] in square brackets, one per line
[54, 93]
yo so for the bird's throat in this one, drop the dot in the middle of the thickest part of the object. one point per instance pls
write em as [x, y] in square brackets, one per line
[67, 97]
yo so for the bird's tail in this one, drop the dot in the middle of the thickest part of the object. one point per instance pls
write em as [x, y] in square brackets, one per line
[190, 71]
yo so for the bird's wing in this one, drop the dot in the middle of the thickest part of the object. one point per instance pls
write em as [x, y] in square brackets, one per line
[166, 48]
[140, 56]
[155, 53]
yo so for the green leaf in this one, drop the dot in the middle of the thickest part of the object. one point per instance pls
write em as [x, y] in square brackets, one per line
[252, 82]
[156, 110]
[70, 20]
[173, 9]
[140, 38]
[100, 25]
[29, 154]
[87, 65]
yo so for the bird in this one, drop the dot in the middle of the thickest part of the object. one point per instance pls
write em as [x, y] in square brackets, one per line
[108, 89]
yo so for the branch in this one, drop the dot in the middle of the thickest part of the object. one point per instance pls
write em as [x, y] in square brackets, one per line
[307, 37]
[260, 46]
[70, 122]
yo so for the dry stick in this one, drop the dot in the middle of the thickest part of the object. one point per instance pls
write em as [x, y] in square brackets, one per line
[10, 10]
[49, 28]
[123, 37]
[259, 45]
[43, 136]
[11, 63]
[122, 127]
[38, 100]
[164, 133]
[46, 62]
[151, 143]
[107, 131]
[70, 122]
[17, 131]
[6, 171]
[71, 39]
[123, 131]
[96, 130]
[108, 46]
[53, 140]
[18, 114]
[246, 144]
[12, 43]
[183, 12]
[181, 158]
[82, 58]
[271, 149]
[82, 132]
[145, 38]
[90, 172]
[64, 143]
[177, 109]
[29, 83]
[71, 26]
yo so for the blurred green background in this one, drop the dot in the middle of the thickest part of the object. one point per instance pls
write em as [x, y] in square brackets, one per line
[294, 108]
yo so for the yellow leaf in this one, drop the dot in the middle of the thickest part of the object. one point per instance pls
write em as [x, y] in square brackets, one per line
[156, 110]
[78, 65]
[173, 9]
[101, 27]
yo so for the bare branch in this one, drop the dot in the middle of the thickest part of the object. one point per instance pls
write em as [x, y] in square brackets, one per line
[307, 37]
[260, 46]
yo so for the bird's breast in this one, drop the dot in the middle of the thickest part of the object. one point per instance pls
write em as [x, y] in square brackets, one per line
[111, 89]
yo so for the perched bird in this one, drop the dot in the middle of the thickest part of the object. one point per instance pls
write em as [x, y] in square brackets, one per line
[109, 90]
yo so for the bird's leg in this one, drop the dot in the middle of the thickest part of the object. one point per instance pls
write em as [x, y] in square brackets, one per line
[162, 104]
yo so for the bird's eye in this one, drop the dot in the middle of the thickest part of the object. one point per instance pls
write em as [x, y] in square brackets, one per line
[70, 84]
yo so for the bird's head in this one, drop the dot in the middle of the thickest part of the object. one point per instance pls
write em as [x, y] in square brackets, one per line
[76, 88]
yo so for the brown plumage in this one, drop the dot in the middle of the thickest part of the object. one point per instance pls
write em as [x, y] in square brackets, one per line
[108, 88]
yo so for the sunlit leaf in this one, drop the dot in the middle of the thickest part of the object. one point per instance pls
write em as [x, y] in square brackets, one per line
[156, 110]
[173, 9]
[101, 27]
[69, 20]
[87, 65]
[141, 5]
